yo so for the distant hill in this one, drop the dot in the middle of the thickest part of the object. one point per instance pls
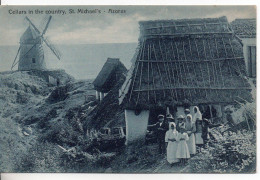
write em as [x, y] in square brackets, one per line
[82, 61]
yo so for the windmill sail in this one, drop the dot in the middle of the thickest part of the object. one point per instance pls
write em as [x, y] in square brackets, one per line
[14, 63]
[53, 49]
[35, 28]
[47, 42]
[46, 26]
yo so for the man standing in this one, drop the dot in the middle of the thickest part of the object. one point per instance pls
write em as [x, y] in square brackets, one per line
[160, 129]
[169, 119]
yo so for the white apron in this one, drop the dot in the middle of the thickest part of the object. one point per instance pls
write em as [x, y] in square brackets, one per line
[183, 150]
[172, 146]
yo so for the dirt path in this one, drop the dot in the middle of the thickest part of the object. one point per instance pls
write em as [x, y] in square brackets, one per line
[165, 167]
[162, 166]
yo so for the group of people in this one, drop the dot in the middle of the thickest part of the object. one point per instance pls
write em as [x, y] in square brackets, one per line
[182, 137]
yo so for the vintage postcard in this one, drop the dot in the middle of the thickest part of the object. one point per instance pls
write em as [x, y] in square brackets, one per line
[128, 89]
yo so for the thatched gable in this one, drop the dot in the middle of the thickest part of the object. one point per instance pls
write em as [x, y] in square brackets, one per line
[109, 75]
[186, 61]
[244, 28]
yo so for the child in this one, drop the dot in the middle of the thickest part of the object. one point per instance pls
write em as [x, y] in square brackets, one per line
[170, 138]
[182, 151]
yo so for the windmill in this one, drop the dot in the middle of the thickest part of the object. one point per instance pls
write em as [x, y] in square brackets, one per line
[31, 54]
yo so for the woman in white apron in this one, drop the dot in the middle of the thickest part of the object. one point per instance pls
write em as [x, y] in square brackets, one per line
[170, 138]
[183, 151]
[196, 114]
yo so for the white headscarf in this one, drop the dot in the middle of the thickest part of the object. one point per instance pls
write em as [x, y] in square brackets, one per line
[189, 117]
[170, 124]
[196, 115]
[190, 122]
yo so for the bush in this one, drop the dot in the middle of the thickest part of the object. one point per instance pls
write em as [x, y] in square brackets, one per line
[48, 158]
[62, 133]
[42, 157]
[134, 156]
[235, 154]
[59, 94]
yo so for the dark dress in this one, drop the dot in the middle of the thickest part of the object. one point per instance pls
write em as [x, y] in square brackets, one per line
[160, 131]
[205, 130]
[198, 133]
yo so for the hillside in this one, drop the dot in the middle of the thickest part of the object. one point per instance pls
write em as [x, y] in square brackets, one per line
[43, 129]
[30, 106]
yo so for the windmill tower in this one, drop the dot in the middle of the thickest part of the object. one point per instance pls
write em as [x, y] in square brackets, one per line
[31, 54]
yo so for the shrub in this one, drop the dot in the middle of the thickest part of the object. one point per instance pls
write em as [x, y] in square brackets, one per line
[61, 133]
[42, 157]
[236, 153]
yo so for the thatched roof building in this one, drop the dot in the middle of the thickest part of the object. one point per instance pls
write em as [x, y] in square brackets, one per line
[185, 61]
[109, 75]
[244, 28]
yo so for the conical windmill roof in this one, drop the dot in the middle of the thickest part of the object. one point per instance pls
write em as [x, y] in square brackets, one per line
[29, 35]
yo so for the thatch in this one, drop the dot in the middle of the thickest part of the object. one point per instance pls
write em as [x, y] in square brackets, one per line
[244, 28]
[108, 110]
[190, 60]
[109, 75]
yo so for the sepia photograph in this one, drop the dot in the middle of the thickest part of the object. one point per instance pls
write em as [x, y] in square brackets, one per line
[128, 89]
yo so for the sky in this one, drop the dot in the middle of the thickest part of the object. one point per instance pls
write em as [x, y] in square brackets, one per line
[101, 31]
[105, 27]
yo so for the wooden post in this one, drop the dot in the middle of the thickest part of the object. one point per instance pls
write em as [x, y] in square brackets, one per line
[171, 76]
[185, 58]
[200, 67]
[248, 124]
[226, 56]
[215, 79]
[164, 95]
[97, 95]
[136, 71]
[193, 66]
[140, 79]
[152, 73]
[101, 96]
[185, 65]
[219, 63]
[211, 116]
[206, 62]
[168, 76]
[148, 70]
[182, 84]
[175, 66]
[223, 113]
[240, 74]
